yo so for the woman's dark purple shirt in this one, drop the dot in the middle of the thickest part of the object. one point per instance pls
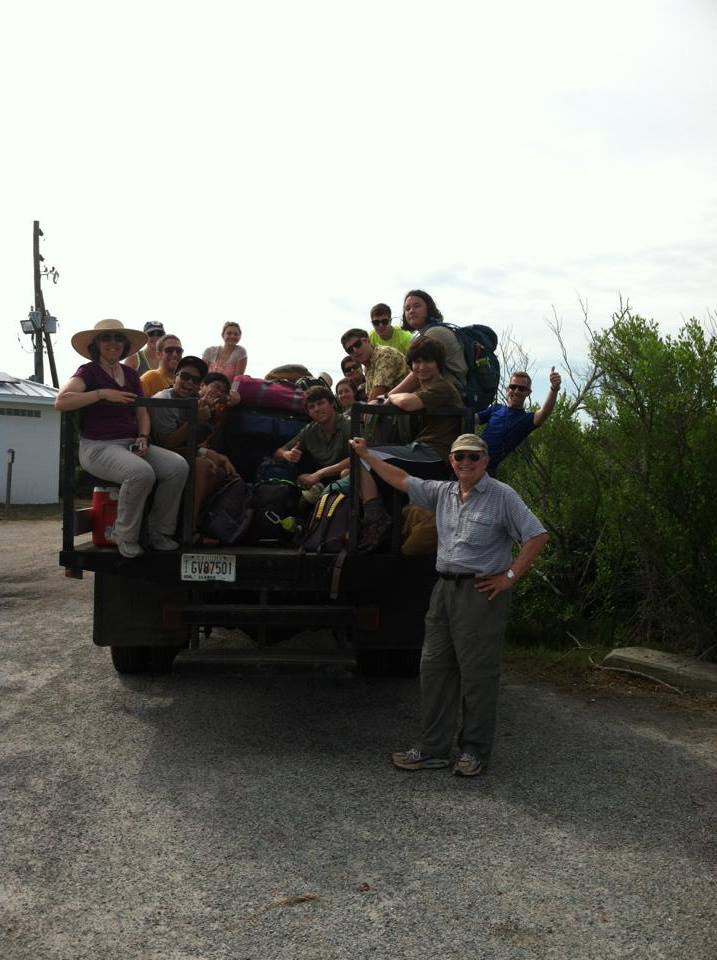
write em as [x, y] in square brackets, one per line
[104, 421]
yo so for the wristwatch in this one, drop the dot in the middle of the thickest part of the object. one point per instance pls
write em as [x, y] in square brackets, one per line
[510, 574]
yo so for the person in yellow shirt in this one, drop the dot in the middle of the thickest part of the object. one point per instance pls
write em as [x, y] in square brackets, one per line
[169, 349]
[384, 334]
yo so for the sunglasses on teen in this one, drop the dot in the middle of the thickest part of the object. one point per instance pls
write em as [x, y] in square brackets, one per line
[521, 388]
[112, 338]
[352, 347]
[186, 375]
[179, 350]
[381, 322]
[462, 455]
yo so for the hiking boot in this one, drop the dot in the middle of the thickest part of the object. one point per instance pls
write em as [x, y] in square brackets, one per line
[468, 766]
[373, 531]
[160, 541]
[413, 759]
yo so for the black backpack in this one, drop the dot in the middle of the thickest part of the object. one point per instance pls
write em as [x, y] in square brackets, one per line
[328, 529]
[271, 469]
[305, 383]
[227, 515]
[275, 506]
[479, 344]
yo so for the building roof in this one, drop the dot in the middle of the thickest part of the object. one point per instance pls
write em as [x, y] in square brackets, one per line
[15, 390]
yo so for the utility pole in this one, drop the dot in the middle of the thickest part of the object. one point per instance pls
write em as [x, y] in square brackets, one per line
[37, 334]
[40, 324]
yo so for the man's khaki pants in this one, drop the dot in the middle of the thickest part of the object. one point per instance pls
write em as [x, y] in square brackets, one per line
[460, 668]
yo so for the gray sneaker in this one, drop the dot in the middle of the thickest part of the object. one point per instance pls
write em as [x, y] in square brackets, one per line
[160, 541]
[413, 759]
[126, 548]
[468, 766]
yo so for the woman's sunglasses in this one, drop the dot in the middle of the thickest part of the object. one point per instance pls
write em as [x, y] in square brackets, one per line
[112, 338]
[475, 457]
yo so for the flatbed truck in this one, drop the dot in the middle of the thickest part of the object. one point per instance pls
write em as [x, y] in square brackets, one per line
[148, 609]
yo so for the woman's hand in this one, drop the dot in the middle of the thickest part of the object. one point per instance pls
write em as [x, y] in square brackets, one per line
[141, 445]
[116, 396]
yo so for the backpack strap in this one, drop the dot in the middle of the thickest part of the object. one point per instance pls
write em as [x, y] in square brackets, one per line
[338, 497]
[320, 506]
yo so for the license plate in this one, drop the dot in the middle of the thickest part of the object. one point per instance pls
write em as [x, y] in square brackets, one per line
[209, 566]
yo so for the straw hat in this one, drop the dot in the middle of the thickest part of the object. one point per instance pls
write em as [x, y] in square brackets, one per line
[82, 340]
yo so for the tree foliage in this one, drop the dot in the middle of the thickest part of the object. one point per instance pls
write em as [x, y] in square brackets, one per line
[623, 476]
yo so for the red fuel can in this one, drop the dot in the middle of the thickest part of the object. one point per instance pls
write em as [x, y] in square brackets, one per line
[104, 514]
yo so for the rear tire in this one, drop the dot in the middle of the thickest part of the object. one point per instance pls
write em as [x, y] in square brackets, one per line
[162, 658]
[130, 659]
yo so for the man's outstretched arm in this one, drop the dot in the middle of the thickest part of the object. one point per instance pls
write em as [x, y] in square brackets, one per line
[392, 475]
[542, 415]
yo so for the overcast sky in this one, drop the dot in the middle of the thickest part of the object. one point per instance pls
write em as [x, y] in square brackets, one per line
[287, 165]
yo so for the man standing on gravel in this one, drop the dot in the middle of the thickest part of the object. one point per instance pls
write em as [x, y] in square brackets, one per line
[478, 520]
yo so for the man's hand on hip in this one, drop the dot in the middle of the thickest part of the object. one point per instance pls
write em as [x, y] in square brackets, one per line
[494, 584]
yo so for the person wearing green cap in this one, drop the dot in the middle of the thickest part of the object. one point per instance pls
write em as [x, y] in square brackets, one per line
[478, 520]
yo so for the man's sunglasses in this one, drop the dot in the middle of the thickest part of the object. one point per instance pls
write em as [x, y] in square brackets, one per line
[356, 345]
[519, 387]
[179, 350]
[112, 338]
[381, 322]
[461, 455]
[155, 333]
[186, 375]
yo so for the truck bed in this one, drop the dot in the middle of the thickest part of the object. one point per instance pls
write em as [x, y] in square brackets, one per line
[260, 567]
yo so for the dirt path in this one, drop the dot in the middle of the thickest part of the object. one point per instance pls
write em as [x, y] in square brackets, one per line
[256, 816]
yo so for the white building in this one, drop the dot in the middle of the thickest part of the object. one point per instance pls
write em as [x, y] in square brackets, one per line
[29, 425]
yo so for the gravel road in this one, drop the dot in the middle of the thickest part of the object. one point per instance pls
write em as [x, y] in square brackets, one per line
[256, 816]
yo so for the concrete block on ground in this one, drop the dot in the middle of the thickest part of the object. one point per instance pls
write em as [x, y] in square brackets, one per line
[676, 669]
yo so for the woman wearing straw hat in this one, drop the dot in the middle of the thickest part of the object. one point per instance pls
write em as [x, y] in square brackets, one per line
[114, 436]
